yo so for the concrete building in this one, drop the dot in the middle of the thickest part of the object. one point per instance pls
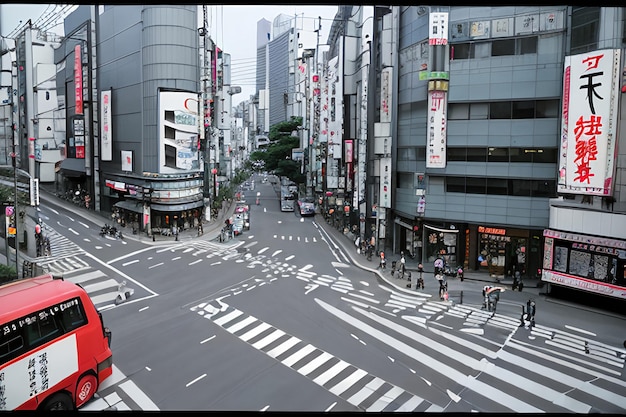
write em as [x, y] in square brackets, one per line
[478, 140]
[142, 115]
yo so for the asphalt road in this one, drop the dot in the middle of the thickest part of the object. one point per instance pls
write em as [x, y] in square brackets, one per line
[279, 319]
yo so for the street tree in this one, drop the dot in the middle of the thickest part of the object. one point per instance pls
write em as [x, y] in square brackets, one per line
[277, 156]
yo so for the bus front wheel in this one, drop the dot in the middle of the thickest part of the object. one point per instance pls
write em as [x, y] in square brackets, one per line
[85, 389]
[59, 401]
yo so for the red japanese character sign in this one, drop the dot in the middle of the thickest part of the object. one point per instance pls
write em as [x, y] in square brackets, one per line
[589, 120]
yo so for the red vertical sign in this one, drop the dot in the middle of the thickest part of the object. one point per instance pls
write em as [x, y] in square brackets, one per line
[78, 79]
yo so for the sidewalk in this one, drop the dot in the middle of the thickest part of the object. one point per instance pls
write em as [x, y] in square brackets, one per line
[212, 229]
[346, 241]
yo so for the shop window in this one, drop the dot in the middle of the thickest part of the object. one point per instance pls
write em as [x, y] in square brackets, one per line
[498, 155]
[476, 185]
[456, 154]
[503, 47]
[500, 110]
[476, 154]
[523, 109]
[497, 186]
[527, 45]
[547, 109]
[455, 184]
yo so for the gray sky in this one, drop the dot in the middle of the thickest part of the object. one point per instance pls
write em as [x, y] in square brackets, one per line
[232, 28]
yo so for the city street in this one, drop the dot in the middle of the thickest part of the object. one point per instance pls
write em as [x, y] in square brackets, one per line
[280, 319]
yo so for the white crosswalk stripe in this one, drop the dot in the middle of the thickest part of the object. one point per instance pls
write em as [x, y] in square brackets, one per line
[101, 289]
[64, 265]
[291, 352]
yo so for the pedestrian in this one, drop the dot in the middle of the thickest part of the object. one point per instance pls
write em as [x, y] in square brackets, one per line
[383, 262]
[402, 264]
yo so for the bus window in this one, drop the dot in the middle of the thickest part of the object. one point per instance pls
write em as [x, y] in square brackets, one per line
[54, 347]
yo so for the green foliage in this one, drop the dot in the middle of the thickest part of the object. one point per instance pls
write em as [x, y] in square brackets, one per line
[277, 156]
[7, 273]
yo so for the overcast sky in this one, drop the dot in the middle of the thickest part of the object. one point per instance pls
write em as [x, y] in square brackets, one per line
[232, 28]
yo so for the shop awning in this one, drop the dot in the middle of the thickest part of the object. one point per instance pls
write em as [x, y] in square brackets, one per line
[134, 206]
[73, 167]
[177, 207]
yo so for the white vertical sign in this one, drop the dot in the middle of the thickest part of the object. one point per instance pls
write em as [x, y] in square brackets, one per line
[385, 94]
[385, 182]
[436, 153]
[127, 161]
[589, 122]
[438, 28]
[106, 132]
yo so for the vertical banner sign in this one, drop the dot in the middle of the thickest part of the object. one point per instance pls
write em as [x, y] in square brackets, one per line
[106, 132]
[385, 182]
[589, 122]
[78, 80]
[438, 27]
[348, 157]
[385, 95]
[437, 104]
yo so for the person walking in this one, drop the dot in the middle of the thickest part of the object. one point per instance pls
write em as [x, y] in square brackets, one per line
[402, 265]
[383, 262]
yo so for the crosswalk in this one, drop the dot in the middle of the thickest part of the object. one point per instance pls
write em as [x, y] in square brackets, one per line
[565, 373]
[355, 385]
[65, 255]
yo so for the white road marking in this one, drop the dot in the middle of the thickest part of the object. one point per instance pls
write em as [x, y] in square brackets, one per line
[195, 380]
[576, 329]
[130, 263]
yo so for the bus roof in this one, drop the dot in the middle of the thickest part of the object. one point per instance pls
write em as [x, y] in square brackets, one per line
[15, 303]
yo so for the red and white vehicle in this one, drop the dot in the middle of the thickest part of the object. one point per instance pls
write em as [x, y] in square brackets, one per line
[54, 348]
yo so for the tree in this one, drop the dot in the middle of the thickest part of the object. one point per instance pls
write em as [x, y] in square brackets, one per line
[277, 156]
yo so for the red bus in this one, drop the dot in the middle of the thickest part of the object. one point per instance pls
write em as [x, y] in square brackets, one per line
[54, 348]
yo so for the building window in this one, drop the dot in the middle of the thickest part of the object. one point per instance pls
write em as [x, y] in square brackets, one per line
[527, 45]
[456, 154]
[405, 180]
[523, 110]
[406, 154]
[500, 110]
[476, 154]
[585, 24]
[455, 184]
[503, 47]
[498, 155]
[475, 185]
[497, 186]
[479, 111]
[458, 111]
[547, 109]
[462, 51]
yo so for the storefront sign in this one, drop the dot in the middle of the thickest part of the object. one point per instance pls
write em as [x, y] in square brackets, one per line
[106, 132]
[78, 80]
[491, 230]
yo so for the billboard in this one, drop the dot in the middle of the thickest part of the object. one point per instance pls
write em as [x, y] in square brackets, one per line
[588, 123]
[438, 27]
[179, 132]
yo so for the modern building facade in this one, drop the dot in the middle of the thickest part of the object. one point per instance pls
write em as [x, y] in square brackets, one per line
[477, 132]
[142, 121]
